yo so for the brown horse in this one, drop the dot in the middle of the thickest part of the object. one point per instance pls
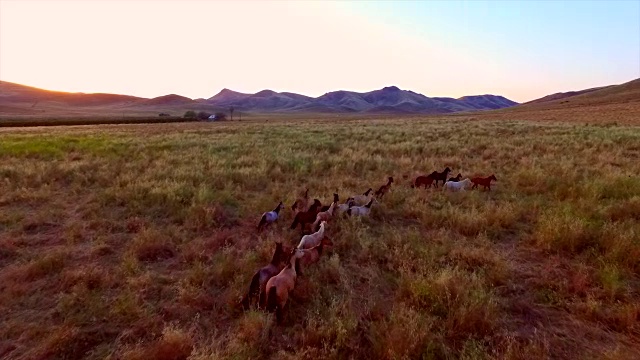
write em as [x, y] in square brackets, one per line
[486, 182]
[279, 286]
[301, 203]
[427, 181]
[456, 179]
[384, 188]
[260, 278]
[441, 176]
[312, 255]
[325, 215]
[307, 217]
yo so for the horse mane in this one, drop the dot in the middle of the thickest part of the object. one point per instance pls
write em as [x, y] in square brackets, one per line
[276, 254]
[369, 203]
[316, 204]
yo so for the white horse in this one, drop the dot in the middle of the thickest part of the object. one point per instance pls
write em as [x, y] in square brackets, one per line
[361, 210]
[456, 186]
[311, 240]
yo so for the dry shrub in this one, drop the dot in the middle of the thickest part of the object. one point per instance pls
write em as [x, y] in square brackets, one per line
[135, 224]
[102, 250]
[48, 265]
[403, 335]
[463, 302]
[8, 251]
[197, 299]
[621, 317]
[73, 343]
[620, 246]
[90, 278]
[626, 209]
[253, 329]
[530, 181]
[580, 282]
[200, 218]
[6, 348]
[561, 231]
[468, 223]
[143, 329]
[613, 282]
[525, 349]
[473, 258]
[331, 326]
[174, 344]
[150, 245]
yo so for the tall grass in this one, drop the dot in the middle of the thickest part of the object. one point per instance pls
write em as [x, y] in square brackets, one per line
[137, 241]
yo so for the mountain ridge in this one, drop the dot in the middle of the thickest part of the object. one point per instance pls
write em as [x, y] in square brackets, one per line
[384, 100]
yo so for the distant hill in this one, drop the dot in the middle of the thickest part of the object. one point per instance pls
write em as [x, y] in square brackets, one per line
[12, 94]
[18, 99]
[172, 99]
[386, 100]
[606, 104]
[562, 95]
[626, 93]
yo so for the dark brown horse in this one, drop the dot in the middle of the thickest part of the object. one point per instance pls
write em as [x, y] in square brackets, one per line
[486, 182]
[456, 179]
[384, 188]
[427, 181]
[307, 217]
[260, 278]
[440, 176]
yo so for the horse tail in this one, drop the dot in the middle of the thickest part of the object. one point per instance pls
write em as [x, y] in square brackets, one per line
[254, 288]
[263, 220]
[278, 313]
[297, 268]
[272, 299]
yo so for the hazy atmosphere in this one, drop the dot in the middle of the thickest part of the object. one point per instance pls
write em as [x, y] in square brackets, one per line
[521, 50]
[208, 180]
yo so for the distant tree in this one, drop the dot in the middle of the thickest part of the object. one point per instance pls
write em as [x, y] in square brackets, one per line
[221, 116]
[190, 114]
[231, 112]
[203, 115]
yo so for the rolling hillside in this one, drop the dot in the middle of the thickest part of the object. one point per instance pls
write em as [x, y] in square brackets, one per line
[609, 104]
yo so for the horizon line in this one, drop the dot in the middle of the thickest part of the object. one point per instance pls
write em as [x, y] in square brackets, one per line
[292, 92]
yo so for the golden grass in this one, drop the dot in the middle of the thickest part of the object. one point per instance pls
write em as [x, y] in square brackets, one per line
[137, 241]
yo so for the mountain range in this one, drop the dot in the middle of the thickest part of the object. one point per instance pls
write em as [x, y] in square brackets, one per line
[618, 102]
[390, 99]
[16, 99]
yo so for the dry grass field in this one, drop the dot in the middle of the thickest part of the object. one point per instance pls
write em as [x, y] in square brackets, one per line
[137, 241]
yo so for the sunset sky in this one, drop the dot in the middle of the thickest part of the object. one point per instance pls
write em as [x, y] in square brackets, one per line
[521, 50]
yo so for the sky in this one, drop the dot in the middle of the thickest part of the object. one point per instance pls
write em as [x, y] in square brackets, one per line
[522, 50]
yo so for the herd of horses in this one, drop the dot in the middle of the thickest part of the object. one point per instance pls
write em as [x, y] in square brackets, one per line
[272, 284]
